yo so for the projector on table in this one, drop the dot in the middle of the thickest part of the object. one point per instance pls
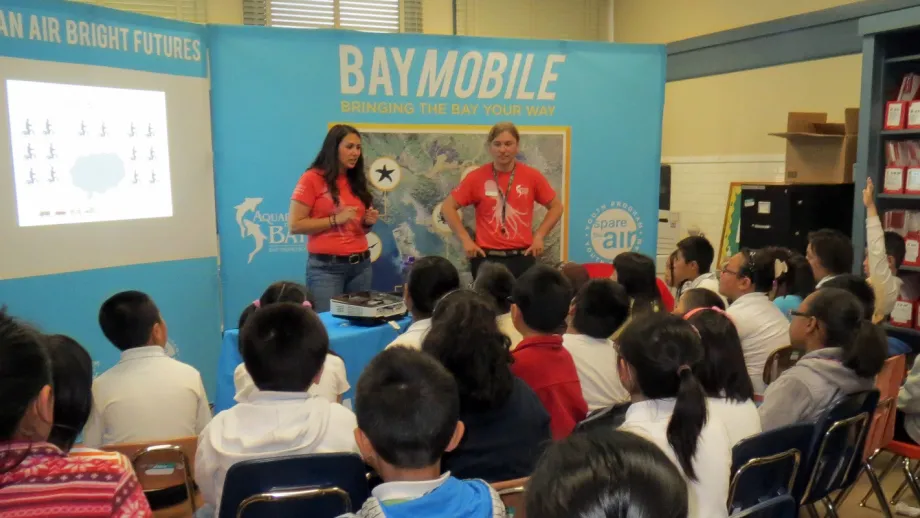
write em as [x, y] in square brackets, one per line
[368, 307]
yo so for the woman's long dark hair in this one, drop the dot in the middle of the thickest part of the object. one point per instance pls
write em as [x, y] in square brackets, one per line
[465, 338]
[661, 349]
[73, 389]
[636, 273]
[864, 345]
[24, 370]
[327, 160]
[604, 473]
[722, 372]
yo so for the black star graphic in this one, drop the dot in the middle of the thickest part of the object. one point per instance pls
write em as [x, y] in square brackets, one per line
[385, 174]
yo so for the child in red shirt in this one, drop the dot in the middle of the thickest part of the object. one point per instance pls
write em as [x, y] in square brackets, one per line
[541, 300]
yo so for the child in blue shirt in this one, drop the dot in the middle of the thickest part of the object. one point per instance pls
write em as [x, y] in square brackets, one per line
[408, 408]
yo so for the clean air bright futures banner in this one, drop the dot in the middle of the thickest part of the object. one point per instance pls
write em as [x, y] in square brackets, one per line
[589, 113]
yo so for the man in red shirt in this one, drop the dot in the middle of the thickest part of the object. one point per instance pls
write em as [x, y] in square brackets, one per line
[541, 299]
[503, 193]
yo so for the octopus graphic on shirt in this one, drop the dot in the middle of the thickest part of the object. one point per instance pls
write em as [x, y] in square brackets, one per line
[514, 219]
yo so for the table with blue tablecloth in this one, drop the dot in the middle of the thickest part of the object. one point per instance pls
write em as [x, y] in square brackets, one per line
[356, 345]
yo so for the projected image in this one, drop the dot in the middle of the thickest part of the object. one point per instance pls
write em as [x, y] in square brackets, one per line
[86, 153]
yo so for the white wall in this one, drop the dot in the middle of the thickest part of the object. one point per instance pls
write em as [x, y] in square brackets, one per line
[700, 184]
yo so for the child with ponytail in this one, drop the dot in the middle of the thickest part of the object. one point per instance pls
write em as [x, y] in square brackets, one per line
[333, 381]
[657, 355]
[844, 352]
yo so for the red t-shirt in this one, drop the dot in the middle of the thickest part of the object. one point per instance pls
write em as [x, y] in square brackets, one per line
[344, 239]
[548, 368]
[480, 190]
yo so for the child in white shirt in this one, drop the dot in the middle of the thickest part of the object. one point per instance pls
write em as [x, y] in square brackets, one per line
[284, 347]
[146, 396]
[597, 311]
[722, 373]
[669, 406]
[332, 384]
[429, 279]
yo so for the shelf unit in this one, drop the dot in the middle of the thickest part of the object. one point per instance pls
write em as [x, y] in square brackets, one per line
[891, 49]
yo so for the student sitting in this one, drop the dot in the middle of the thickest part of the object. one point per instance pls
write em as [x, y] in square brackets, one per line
[332, 383]
[746, 280]
[284, 346]
[860, 288]
[692, 262]
[146, 396]
[885, 252]
[506, 424]
[606, 474]
[794, 281]
[636, 273]
[430, 278]
[599, 309]
[829, 253]
[698, 298]
[408, 409]
[729, 392]
[844, 353]
[495, 281]
[72, 373]
[669, 406]
[37, 478]
[541, 302]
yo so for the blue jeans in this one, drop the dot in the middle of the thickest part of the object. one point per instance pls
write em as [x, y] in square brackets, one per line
[326, 279]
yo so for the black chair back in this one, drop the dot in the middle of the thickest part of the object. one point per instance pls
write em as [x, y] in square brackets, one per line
[324, 484]
[608, 418]
[765, 466]
[837, 448]
[778, 507]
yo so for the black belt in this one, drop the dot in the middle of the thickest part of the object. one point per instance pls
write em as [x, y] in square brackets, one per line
[350, 259]
[504, 253]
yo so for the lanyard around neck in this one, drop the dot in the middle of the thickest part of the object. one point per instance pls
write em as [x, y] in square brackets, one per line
[504, 196]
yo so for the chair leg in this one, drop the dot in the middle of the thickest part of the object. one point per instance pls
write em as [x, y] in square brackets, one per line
[912, 480]
[879, 492]
[903, 487]
[888, 467]
[812, 512]
[831, 510]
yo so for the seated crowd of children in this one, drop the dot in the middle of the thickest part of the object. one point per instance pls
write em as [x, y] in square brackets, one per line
[488, 384]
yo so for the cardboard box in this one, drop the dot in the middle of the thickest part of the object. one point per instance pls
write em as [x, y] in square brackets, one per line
[818, 151]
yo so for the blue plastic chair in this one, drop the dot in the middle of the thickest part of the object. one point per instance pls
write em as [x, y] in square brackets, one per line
[837, 450]
[318, 485]
[765, 466]
[777, 507]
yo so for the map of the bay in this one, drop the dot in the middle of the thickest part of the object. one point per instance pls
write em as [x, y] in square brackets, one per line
[430, 165]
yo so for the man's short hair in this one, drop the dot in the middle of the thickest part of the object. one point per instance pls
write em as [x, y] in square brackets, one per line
[408, 406]
[127, 319]
[601, 307]
[284, 346]
[430, 278]
[895, 247]
[697, 249]
[833, 249]
[543, 296]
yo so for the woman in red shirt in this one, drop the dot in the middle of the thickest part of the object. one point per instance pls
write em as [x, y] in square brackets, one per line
[503, 193]
[37, 478]
[334, 208]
